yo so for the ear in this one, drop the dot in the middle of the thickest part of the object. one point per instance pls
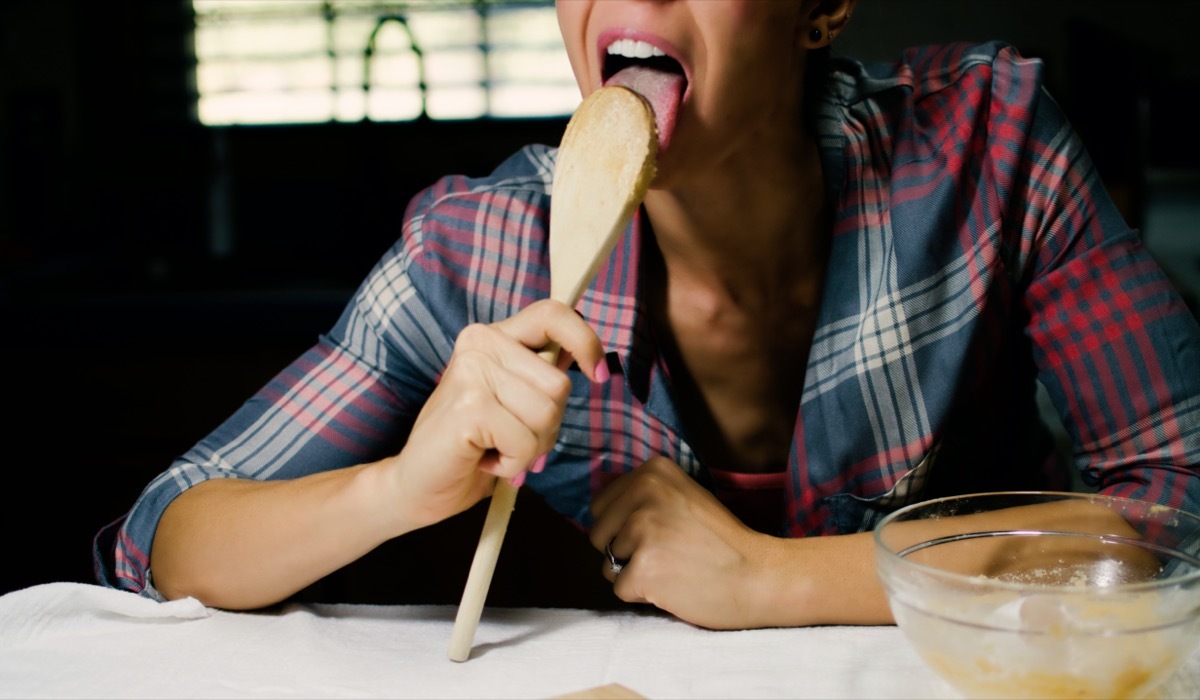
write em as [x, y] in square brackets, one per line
[828, 17]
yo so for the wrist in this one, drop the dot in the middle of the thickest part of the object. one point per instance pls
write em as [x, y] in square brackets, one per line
[778, 586]
[821, 580]
[382, 495]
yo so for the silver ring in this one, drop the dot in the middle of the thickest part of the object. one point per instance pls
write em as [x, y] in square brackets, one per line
[614, 565]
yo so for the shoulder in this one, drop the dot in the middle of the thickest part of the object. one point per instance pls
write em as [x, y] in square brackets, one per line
[992, 68]
[465, 222]
[466, 237]
[933, 103]
[524, 176]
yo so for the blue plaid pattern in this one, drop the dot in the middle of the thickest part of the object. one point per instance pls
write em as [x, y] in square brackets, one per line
[975, 253]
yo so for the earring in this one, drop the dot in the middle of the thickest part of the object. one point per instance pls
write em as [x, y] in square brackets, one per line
[815, 35]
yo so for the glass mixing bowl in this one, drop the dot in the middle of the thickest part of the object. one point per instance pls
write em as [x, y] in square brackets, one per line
[1044, 594]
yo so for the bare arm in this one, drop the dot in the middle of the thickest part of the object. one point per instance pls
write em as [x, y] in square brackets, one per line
[833, 580]
[691, 557]
[821, 581]
[243, 544]
[246, 544]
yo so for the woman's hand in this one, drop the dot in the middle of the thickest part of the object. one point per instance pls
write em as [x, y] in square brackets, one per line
[496, 409]
[243, 544]
[687, 554]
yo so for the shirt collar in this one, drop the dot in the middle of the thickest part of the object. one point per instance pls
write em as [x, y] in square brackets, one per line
[612, 306]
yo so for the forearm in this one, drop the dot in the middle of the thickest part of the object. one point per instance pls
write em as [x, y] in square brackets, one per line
[242, 544]
[833, 580]
[820, 581]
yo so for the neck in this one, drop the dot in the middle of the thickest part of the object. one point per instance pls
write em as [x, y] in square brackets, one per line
[739, 229]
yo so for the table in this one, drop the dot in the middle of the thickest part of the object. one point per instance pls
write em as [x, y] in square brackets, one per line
[79, 640]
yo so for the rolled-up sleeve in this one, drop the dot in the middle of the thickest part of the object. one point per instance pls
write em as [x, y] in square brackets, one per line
[1116, 346]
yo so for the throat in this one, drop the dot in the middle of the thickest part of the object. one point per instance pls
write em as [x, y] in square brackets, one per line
[736, 372]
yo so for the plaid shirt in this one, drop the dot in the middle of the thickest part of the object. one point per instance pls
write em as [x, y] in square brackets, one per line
[974, 253]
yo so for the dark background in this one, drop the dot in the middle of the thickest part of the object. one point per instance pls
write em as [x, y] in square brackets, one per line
[136, 315]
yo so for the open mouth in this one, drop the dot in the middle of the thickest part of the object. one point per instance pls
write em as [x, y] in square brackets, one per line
[649, 71]
[624, 53]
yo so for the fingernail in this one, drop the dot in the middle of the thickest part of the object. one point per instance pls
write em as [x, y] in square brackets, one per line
[517, 480]
[538, 465]
[602, 373]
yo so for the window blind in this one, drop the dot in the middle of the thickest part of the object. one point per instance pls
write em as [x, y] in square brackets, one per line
[304, 61]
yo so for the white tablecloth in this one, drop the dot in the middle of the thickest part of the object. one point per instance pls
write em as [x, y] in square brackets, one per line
[77, 640]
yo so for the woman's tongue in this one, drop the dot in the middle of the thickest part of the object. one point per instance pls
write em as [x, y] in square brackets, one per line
[662, 89]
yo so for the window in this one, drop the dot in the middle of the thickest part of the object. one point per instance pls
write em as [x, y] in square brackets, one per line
[304, 61]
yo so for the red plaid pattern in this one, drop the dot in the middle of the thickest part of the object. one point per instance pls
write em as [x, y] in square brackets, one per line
[975, 254]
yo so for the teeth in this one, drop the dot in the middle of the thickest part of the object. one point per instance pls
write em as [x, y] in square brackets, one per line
[632, 48]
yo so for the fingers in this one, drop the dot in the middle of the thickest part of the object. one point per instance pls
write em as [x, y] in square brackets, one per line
[495, 411]
[515, 380]
[615, 564]
[510, 439]
[652, 521]
[651, 482]
[621, 571]
[547, 322]
[625, 512]
[508, 402]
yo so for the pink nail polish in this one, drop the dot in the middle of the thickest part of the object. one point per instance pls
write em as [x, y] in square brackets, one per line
[518, 479]
[538, 465]
[602, 373]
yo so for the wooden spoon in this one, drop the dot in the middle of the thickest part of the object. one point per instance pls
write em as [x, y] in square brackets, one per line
[604, 167]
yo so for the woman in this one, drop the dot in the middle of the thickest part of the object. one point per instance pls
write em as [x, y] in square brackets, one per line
[837, 299]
